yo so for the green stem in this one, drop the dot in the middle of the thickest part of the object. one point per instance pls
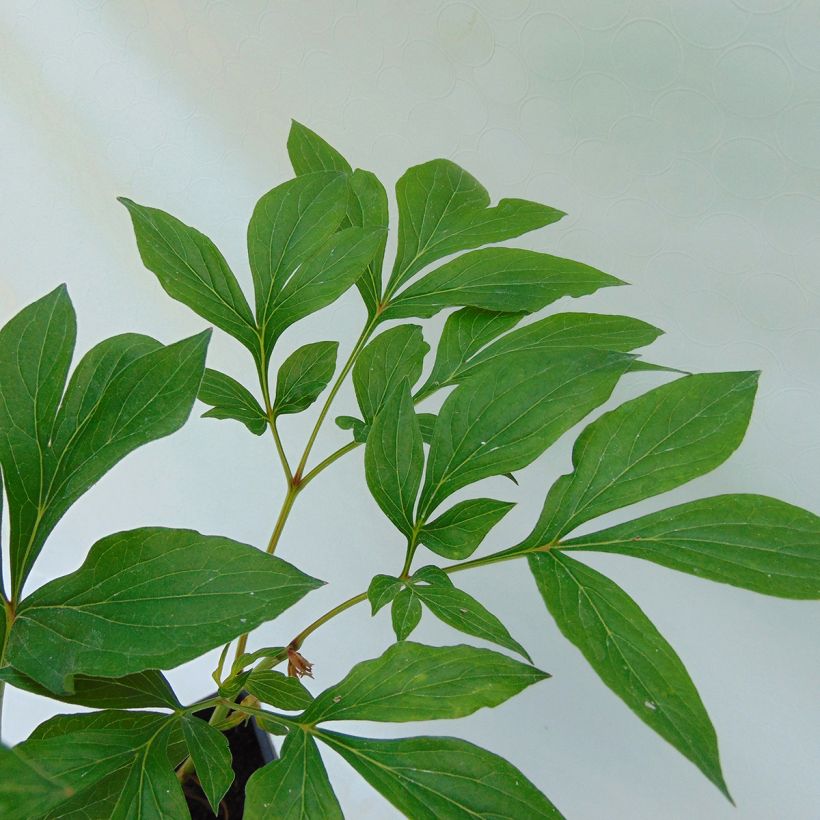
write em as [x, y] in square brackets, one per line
[495, 558]
[351, 360]
[337, 454]
[332, 613]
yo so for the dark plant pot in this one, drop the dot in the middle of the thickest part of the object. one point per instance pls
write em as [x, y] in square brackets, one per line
[251, 749]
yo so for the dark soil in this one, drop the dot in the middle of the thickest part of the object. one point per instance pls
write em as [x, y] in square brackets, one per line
[251, 749]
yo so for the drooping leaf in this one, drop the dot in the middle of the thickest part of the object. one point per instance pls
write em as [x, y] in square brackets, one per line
[392, 356]
[382, 590]
[303, 376]
[150, 598]
[564, 332]
[394, 458]
[443, 209]
[140, 690]
[288, 225]
[505, 279]
[309, 153]
[191, 270]
[367, 208]
[457, 532]
[428, 778]
[629, 654]
[278, 690]
[212, 758]
[465, 332]
[649, 445]
[322, 278]
[356, 426]
[231, 400]
[35, 353]
[464, 613]
[411, 681]
[405, 614]
[26, 790]
[148, 398]
[749, 541]
[506, 416]
[295, 787]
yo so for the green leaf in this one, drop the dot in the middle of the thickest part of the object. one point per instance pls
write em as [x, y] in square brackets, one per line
[211, 754]
[231, 400]
[457, 532]
[405, 613]
[118, 763]
[278, 690]
[427, 423]
[629, 654]
[465, 332]
[359, 429]
[108, 414]
[366, 205]
[191, 270]
[322, 278]
[295, 787]
[429, 778]
[138, 691]
[461, 611]
[505, 279]
[443, 209]
[394, 458]
[749, 541]
[35, 354]
[367, 208]
[289, 224]
[647, 446]
[150, 598]
[303, 376]
[308, 152]
[506, 416]
[564, 332]
[26, 791]
[392, 356]
[382, 590]
[411, 681]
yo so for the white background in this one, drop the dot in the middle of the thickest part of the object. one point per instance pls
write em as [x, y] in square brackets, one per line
[682, 137]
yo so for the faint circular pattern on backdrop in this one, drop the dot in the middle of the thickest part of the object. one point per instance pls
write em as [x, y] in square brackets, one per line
[753, 81]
